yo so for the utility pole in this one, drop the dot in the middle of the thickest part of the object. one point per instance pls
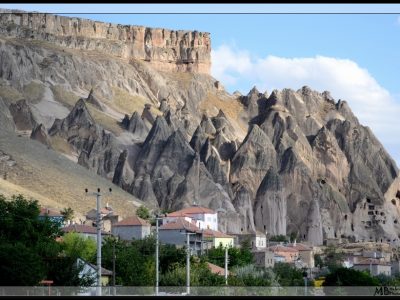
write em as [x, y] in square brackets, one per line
[188, 262]
[98, 223]
[114, 257]
[226, 265]
[157, 256]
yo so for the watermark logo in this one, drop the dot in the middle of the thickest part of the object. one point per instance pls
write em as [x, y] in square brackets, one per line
[387, 290]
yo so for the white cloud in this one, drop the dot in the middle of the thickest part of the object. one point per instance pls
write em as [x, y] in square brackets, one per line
[373, 105]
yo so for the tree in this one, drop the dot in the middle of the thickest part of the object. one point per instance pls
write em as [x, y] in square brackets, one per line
[279, 238]
[76, 246]
[333, 258]
[143, 212]
[350, 277]
[29, 251]
[288, 275]
[68, 213]
[237, 256]
[26, 242]
[251, 275]
[318, 260]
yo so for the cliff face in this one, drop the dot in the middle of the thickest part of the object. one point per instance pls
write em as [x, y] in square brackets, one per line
[289, 162]
[165, 50]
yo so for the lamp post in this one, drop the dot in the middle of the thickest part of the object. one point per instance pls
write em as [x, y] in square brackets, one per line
[98, 223]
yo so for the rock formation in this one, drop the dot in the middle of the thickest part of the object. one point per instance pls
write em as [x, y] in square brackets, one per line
[22, 115]
[166, 50]
[39, 133]
[289, 162]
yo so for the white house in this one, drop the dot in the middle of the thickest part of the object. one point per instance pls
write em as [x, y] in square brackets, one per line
[90, 271]
[203, 217]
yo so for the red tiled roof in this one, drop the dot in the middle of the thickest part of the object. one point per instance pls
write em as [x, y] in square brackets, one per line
[190, 211]
[49, 212]
[82, 229]
[180, 223]
[215, 233]
[280, 248]
[216, 269]
[132, 221]
[300, 247]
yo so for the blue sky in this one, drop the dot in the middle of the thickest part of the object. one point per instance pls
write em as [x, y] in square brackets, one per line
[355, 56]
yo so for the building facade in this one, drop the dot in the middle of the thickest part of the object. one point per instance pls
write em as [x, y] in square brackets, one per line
[132, 228]
[203, 217]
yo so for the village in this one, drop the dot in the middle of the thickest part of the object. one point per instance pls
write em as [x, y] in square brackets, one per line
[198, 226]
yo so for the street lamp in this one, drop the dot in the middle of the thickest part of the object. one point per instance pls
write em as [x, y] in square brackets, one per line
[98, 223]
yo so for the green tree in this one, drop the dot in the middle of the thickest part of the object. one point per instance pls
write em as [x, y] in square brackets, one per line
[26, 241]
[279, 238]
[68, 214]
[143, 212]
[288, 275]
[318, 260]
[251, 275]
[29, 252]
[237, 256]
[76, 246]
[350, 277]
[333, 258]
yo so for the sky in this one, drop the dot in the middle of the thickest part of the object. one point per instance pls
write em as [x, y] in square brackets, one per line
[353, 51]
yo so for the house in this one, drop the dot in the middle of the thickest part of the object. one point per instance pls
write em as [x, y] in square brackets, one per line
[264, 258]
[306, 253]
[108, 217]
[204, 218]
[53, 215]
[217, 269]
[85, 230]
[218, 238]
[289, 253]
[105, 211]
[374, 266]
[131, 228]
[90, 270]
[258, 239]
[175, 232]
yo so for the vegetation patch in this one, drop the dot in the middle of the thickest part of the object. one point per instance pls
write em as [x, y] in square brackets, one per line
[127, 103]
[33, 92]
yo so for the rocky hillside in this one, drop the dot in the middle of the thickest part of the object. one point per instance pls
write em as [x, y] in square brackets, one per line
[157, 125]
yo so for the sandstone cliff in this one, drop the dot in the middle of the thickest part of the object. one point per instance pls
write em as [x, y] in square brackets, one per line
[165, 49]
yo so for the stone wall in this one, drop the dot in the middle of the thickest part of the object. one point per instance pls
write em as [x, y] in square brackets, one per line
[166, 50]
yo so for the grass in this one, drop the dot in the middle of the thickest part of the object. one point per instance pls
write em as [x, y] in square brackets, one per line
[61, 145]
[10, 94]
[33, 92]
[104, 120]
[127, 103]
[53, 179]
[69, 99]
[231, 108]
[65, 97]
